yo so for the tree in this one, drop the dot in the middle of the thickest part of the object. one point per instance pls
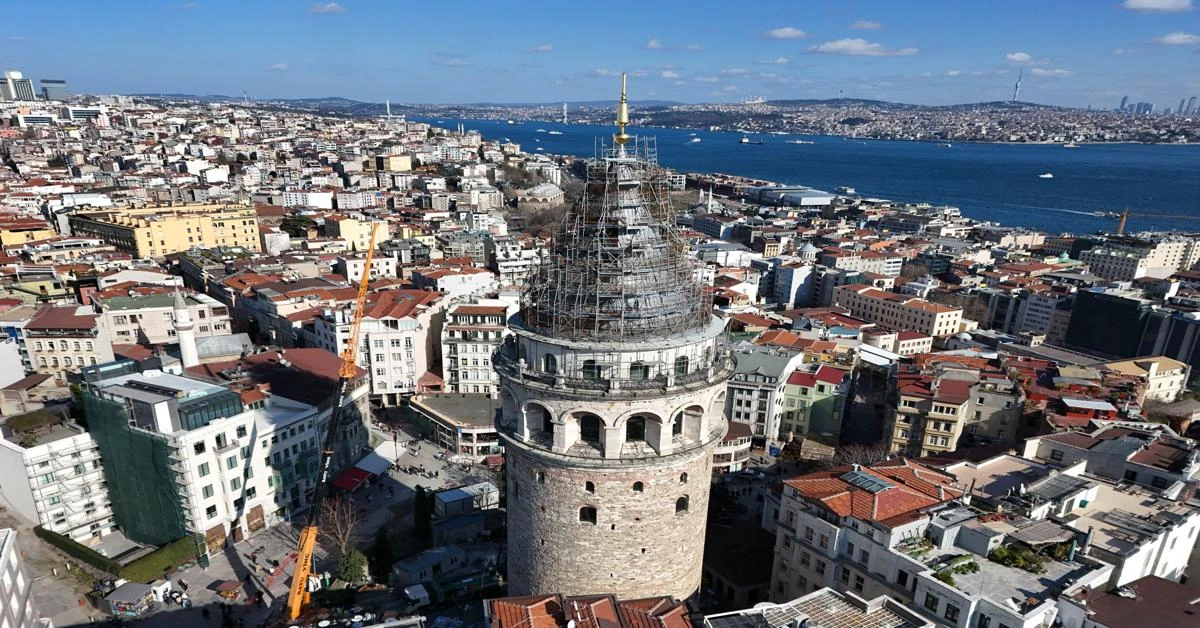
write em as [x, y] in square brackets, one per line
[297, 226]
[381, 555]
[338, 519]
[865, 455]
[352, 566]
[422, 513]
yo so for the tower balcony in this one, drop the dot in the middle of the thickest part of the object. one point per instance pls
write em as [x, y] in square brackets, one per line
[507, 364]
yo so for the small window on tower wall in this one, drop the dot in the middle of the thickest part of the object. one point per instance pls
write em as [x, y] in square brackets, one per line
[589, 487]
[587, 514]
[541, 477]
[681, 504]
[638, 487]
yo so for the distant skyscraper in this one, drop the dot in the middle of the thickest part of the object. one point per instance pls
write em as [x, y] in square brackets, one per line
[1017, 87]
[17, 87]
[1191, 106]
[1180, 109]
[55, 89]
[1124, 102]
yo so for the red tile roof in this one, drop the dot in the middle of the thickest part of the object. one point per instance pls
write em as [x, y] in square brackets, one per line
[61, 317]
[911, 488]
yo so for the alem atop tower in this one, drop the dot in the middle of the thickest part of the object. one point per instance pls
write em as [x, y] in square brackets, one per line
[612, 389]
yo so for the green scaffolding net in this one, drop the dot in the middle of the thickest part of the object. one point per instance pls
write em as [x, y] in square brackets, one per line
[138, 467]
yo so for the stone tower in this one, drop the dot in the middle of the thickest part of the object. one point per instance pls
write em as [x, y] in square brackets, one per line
[185, 332]
[612, 389]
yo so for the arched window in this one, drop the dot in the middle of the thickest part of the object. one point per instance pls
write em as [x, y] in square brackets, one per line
[638, 487]
[550, 364]
[591, 370]
[639, 371]
[681, 366]
[587, 514]
[635, 428]
[681, 504]
[683, 478]
[589, 428]
[547, 421]
[589, 487]
[677, 426]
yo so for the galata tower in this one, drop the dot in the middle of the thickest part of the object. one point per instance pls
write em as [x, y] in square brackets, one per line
[613, 390]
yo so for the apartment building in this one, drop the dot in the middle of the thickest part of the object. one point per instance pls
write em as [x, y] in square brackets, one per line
[150, 319]
[16, 231]
[241, 438]
[356, 231]
[352, 267]
[756, 391]
[898, 528]
[51, 474]
[938, 407]
[470, 336]
[156, 231]
[897, 311]
[19, 609]
[888, 264]
[510, 260]
[813, 402]
[1165, 379]
[1128, 258]
[401, 334]
[63, 338]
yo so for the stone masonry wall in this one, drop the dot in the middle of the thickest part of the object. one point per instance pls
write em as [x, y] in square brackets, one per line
[639, 545]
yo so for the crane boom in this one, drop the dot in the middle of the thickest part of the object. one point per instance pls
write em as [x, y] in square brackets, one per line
[298, 597]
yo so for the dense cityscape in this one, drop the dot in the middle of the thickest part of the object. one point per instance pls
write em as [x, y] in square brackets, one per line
[281, 364]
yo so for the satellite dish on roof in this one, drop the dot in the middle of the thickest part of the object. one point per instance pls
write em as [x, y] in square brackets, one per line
[571, 623]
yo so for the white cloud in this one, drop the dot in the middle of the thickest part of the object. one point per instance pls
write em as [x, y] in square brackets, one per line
[669, 74]
[730, 88]
[603, 72]
[1178, 38]
[864, 25]
[1123, 51]
[278, 67]
[775, 61]
[322, 8]
[861, 47]
[189, 5]
[735, 72]
[450, 61]
[786, 32]
[639, 73]
[693, 47]
[542, 48]
[707, 79]
[1157, 6]
[1018, 57]
[1051, 72]
[653, 44]
[952, 72]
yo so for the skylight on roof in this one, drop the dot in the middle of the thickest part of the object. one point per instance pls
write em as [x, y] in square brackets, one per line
[866, 481]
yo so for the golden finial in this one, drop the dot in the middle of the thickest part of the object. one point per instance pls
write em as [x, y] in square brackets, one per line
[622, 116]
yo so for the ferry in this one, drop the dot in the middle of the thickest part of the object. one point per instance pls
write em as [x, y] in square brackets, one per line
[553, 132]
[1070, 145]
[510, 122]
[1046, 175]
[540, 131]
[799, 142]
[693, 140]
[746, 140]
[845, 189]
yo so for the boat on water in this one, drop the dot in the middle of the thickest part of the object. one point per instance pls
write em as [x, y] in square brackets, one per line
[798, 142]
[845, 189]
[510, 122]
[553, 132]
[746, 140]
[540, 131]
[1046, 175]
[948, 145]
[1070, 145]
[693, 140]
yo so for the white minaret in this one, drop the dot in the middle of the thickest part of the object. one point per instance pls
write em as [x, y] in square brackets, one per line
[184, 331]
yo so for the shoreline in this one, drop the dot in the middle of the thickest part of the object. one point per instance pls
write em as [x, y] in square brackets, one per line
[844, 137]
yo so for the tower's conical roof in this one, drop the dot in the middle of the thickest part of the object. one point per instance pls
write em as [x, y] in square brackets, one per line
[617, 270]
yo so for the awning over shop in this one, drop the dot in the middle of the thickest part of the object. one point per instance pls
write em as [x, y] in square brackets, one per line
[351, 478]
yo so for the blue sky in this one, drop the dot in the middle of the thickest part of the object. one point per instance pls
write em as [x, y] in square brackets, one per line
[1073, 52]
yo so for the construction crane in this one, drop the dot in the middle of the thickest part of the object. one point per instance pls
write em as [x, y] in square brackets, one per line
[298, 598]
[1123, 217]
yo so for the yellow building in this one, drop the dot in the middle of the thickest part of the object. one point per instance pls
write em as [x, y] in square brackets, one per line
[155, 231]
[356, 232]
[19, 230]
[395, 163]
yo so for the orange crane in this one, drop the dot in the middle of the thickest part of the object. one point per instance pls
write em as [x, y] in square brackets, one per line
[298, 598]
